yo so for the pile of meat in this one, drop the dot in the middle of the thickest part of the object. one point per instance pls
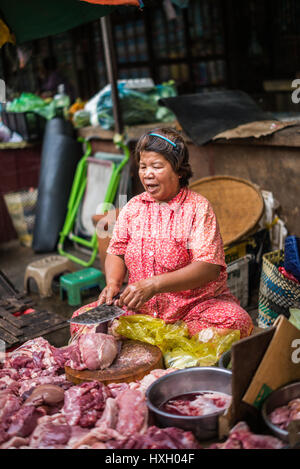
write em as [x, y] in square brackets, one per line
[240, 437]
[282, 416]
[39, 408]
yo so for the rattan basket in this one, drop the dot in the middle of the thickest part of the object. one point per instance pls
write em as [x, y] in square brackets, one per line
[277, 294]
[237, 203]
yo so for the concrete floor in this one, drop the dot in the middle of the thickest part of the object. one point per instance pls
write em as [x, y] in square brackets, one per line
[14, 259]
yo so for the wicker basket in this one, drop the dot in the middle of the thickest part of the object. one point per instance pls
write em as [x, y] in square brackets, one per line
[276, 292]
[237, 203]
[21, 207]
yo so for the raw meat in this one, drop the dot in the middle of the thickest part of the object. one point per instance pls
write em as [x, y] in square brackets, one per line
[145, 382]
[39, 408]
[27, 386]
[124, 416]
[15, 442]
[133, 412]
[35, 353]
[196, 404]
[157, 438]
[85, 404]
[24, 421]
[116, 388]
[240, 437]
[93, 351]
[282, 416]
[98, 351]
[46, 394]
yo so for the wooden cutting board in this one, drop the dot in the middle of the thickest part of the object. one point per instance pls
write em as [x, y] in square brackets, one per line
[135, 360]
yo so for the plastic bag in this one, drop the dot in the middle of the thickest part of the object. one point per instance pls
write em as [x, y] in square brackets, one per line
[29, 102]
[26, 102]
[178, 348]
[164, 90]
[137, 107]
[295, 317]
[81, 118]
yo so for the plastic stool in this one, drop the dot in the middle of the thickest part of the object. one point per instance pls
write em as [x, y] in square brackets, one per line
[83, 279]
[43, 272]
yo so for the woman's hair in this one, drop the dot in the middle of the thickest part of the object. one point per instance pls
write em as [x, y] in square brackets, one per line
[172, 146]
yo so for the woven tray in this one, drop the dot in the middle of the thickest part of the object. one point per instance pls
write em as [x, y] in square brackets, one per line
[237, 203]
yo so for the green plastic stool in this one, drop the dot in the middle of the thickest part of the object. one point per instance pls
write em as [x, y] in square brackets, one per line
[73, 284]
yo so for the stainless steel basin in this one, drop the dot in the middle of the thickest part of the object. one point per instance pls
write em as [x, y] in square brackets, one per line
[186, 381]
[279, 398]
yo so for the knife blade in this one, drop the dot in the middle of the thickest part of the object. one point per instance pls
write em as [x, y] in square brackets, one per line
[99, 314]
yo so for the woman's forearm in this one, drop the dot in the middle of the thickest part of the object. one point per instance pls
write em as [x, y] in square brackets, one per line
[195, 275]
[115, 270]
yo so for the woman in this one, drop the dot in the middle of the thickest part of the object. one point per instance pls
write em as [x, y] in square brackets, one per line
[168, 240]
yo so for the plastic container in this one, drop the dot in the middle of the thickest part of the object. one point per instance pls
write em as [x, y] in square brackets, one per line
[238, 279]
[62, 101]
[28, 124]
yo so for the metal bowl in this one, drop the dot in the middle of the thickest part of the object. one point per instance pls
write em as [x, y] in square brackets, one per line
[279, 398]
[186, 381]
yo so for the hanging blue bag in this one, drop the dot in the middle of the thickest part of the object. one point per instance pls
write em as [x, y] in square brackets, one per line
[292, 256]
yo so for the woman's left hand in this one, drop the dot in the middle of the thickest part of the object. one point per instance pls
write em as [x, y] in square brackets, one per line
[136, 294]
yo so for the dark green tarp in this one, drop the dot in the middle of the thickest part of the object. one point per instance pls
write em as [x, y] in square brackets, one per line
[32, 19]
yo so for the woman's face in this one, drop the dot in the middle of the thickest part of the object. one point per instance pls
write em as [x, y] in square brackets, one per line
[158, 177]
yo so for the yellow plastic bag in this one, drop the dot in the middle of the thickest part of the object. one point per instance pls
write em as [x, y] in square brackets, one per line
[178, 348]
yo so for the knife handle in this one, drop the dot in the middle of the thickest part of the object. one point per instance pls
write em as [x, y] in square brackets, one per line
[116, 297]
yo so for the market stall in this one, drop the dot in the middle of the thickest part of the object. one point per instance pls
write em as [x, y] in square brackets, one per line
[193, 342]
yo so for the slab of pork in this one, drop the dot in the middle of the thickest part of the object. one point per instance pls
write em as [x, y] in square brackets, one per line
[98, 351]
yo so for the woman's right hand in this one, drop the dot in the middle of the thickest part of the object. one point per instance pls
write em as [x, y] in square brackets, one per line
[107, 294]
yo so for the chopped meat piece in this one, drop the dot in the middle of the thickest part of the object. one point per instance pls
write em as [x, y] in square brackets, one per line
[27, 386]
[24, 421]
[9, 380]
[9, 405]
[145, 382]
[49, 435]
[282, 416]
[84, 404]
[98, 351]
[74, 359]
[123, 416]
[92, 351]
[97, 435]
[13, 374]
[15, 442]
[157, 438]
[133, 412]
[48, 394]
[240, 437]
[35, 353]
[77, 433]
[110, 415]
[39, 437]
[63, 354]
[116, 388]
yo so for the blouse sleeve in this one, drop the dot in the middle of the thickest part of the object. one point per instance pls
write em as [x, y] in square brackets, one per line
[205, 241]
[120, 236]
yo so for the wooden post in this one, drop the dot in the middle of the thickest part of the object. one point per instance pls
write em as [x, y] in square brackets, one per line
[110, 61]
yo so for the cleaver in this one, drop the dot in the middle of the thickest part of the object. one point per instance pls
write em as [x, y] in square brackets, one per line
[99, 314]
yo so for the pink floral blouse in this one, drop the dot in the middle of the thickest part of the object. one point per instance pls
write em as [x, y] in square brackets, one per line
[155, 238]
